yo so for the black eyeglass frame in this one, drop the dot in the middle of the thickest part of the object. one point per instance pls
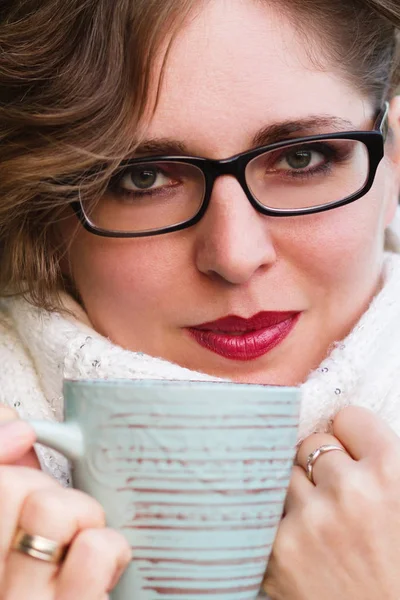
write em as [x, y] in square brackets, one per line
[374, 141]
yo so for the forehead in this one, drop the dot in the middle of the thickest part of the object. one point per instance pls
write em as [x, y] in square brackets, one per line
[238, 66]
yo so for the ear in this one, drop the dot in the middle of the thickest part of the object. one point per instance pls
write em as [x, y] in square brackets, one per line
[392, 152]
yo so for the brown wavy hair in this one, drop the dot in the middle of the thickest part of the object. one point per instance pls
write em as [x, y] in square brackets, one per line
[74, 83]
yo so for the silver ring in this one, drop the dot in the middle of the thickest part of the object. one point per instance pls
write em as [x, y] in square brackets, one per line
[313, 457]
[39, 547]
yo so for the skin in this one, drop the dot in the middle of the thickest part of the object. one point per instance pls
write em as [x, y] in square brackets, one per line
[239, 71]
[29, 499]
[236, 261]
[340, 538]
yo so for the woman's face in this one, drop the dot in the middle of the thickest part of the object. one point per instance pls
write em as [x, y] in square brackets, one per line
[232, 73]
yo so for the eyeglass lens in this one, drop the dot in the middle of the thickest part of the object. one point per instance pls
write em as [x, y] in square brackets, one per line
[309, 174]
[148, 196]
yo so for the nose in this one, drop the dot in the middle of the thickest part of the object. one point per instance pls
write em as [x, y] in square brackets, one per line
[233, 241]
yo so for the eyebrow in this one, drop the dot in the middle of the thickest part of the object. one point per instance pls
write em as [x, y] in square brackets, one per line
[288, 129]
[270, 134]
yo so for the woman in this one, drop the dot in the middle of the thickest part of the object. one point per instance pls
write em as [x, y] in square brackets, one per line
[160, 216]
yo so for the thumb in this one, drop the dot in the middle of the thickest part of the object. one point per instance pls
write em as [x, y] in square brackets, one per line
[16, 440]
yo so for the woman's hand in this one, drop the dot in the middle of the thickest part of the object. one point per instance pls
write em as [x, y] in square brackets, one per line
[340, 538]
[37, 504]
[29, 459]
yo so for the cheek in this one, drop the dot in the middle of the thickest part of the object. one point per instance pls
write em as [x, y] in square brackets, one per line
[125, 275]
[340, 249]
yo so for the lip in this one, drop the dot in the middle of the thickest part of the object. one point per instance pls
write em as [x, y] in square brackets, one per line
[237, 338]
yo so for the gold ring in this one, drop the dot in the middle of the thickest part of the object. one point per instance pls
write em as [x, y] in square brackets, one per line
[39, 547]
[313, 457]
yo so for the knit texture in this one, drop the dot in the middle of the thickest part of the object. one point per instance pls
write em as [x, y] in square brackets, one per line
[39, 348]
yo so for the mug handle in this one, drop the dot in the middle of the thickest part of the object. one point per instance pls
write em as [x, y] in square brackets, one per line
[66, 438]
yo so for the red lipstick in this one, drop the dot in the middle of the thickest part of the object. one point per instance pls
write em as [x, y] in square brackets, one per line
[237, 338]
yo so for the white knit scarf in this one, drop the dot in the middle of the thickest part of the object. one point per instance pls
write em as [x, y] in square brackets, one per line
[38, 349]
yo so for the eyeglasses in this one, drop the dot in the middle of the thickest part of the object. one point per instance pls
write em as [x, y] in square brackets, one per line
[303, 176]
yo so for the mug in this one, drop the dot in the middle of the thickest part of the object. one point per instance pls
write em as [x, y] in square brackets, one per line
[194, 474]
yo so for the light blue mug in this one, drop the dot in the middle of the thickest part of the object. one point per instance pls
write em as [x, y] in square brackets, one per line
[194, 474]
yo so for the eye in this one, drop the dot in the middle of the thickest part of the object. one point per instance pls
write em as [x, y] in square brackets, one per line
[142, 178]
[300, 159]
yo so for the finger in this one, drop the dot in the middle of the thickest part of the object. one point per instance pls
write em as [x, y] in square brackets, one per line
[93, 565]
[16, 483]
[29, 460]
[327, 467]
[363, 433]
[16, 440]
[7, 413]
[58, 515]
[282, 546]
[299, 490]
